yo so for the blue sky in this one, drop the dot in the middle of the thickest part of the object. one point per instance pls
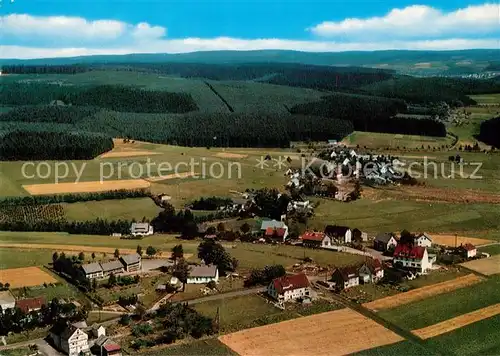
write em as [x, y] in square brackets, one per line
[46, 28]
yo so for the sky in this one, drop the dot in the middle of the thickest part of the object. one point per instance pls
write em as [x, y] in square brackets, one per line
[61, 28]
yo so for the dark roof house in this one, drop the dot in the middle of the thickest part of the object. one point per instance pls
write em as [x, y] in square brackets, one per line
[335, 230]
[92, 268]
[111, 266]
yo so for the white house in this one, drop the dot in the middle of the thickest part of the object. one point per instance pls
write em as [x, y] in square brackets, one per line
[413, 257]
[468, 250]
[7, 300]
[132, 262]
[70, 339]
[288, 288]
[93, 270]
[384, 242]
[423, 240]
[203, 274]
[371, 271]
[340, 234]
[345, 277]
[141, 229]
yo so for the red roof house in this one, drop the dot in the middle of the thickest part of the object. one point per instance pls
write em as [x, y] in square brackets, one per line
[312, 238]
[289, 287]
[111, 348]
[278, 234]
[27, 305]
[410, 252]
[412, 257]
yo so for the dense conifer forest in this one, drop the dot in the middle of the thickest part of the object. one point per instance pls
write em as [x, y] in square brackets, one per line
[490, 132]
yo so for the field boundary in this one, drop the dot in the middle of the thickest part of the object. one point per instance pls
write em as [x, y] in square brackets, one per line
[422, 293]
[457, 322]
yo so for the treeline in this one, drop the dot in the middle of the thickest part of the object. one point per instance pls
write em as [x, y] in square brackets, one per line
[48, 114]
[489, 132]
[41, 145]
[73, 198]
[43, 69]
[113, 97]
[210, 203]
[372, 114]
[70, 267]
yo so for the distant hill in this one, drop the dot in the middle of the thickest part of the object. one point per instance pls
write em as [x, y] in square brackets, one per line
[418, 62]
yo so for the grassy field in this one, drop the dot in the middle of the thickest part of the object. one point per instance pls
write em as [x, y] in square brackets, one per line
[406, 348]
[492, 250]
[126, 209]
[209, 347]
[442, 307]
[14, 258]
[376, 140]
[61, 290]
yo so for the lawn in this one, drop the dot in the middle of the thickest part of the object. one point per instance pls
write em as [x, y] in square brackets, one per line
[21, 351]
[208, 347]
[480, 338]
[374, 140]
[406, 348]
[492, 250]
[125, 209]
[60, 290]
[99, 317]
[192, 291]
[442, 307]
[14, 258]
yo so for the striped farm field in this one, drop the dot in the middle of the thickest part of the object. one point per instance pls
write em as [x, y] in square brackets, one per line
[486, 266]
[422, 293]
[457, 322]
[339, 332]
[85, 187]
[25, 277]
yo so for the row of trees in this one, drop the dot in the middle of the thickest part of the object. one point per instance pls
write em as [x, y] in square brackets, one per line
[47, 145]
[265, 275]
[73, 198]
[14, 320]
[209, 203]
[70, 268]
[43, 69]
[490, 132]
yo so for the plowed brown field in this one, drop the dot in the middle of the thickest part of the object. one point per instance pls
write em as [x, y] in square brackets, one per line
[449, 240]
[339, 332]
[457, 322]
[422, 293]
[84, 187]
[25, 277]
[486, 266]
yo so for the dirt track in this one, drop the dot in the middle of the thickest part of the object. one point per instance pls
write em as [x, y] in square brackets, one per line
[422, 293]
[339, 332]
[457, 322]
[25, 277]
[486, 266]
[230, 155]
[84, 187]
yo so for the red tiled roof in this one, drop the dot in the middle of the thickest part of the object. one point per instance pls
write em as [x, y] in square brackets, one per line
[375, 265]
[313, 236]
[280, 232]
[110, 347]
[287, 283]
[469, 247]
[406, 251]
[30, 304]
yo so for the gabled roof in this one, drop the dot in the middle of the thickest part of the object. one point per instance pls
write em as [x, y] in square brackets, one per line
[93, 267]
[30, 304]
[383, 237]
[275, 232]
[312, 236]
[287, 283]
[111, 266]
[203, 271]
[140, 227]
[347, 272]
[335, 230]
[131, 259]
[373, 264]
[111, 346]
[405, 251]
[468, 247]
[424, 235]
[275, 224]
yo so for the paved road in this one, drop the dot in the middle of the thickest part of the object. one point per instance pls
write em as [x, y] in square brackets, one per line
[224, 295]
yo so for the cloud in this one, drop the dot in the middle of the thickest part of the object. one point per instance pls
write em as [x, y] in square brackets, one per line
[227, 43]
[55, 28]
[417, 21]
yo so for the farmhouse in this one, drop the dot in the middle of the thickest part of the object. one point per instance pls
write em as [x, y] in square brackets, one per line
[141, 229]
[92, 270]
[274, 224]
[7, 300]
[203, 274]
[114, 267]
[413, 258]
[423, 240]
[384, 242]
[359, 236]
[276, 235]
[340, 234]
[315, 239]
[70, 339]
[371, 271]
[345, 277]
[31, 304]
[131, 262]
[288, 288]
[467, 250]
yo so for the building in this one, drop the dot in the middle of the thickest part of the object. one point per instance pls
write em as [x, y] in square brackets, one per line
[141, 229]
[92, 270]
[132, 263]
[339, 234]
[467, 250]
[7, 300]
[288, 288]
[359, 236]
[98, 330]
[276, 235]
[114, 267]
[423, 240]
[371, 271]
[70, 339]
[414, 258]
[384, 242]
[345, 277]
[104, 346]
[30, 304]
[314, 239]
[274, 224]
[203, 274]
